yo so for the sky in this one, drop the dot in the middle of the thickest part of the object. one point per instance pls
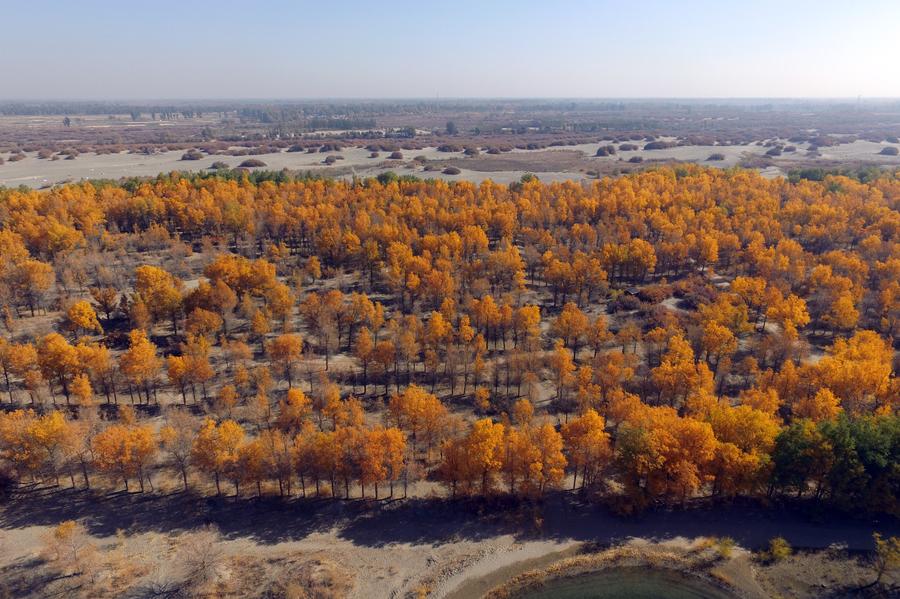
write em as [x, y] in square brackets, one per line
[255, 49]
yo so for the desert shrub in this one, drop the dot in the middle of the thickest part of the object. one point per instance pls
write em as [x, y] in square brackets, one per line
[776, 151]
[889, 151]
[296, 148]
[471, 151]
[396, 156]
[892, 140]
[823, 141]
[627, 147]
[779, 549]
[448, 148]
[199, 557]
[725, 547]
[192, 155]
[608, 150]
[219, 166]
[451, 170]
[387, 177]
[716, 156]
[330, 160]
[16, 157]
[374, 155]
[635, 159]
[790, 149]
[660, 145]
[655, 293]
[252, 163]
[623, 302]
[44, 154]
[693, 292]
[312, 150]
[493, 150]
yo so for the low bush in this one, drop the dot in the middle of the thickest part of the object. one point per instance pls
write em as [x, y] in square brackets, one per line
[779, 549]
[192, 155]
[725, 547]
[252, 163]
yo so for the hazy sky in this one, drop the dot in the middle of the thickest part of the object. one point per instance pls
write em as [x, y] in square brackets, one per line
[126, 49]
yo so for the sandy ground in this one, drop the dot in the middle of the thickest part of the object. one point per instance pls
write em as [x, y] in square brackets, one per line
[401, 548]
[35, 172]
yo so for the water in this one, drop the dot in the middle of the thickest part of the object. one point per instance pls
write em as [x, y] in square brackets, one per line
[627, 583]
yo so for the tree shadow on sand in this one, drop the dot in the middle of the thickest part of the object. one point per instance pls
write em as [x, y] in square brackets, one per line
[431, 521]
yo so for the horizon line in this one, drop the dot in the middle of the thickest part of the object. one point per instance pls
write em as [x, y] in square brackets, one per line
[441, 99]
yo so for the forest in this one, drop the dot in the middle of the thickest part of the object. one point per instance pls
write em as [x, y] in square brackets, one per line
[670, 335]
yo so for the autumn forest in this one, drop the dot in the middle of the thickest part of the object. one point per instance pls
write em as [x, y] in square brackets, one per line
[667, 336]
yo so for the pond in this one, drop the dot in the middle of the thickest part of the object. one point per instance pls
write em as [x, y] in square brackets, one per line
[627, 583]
